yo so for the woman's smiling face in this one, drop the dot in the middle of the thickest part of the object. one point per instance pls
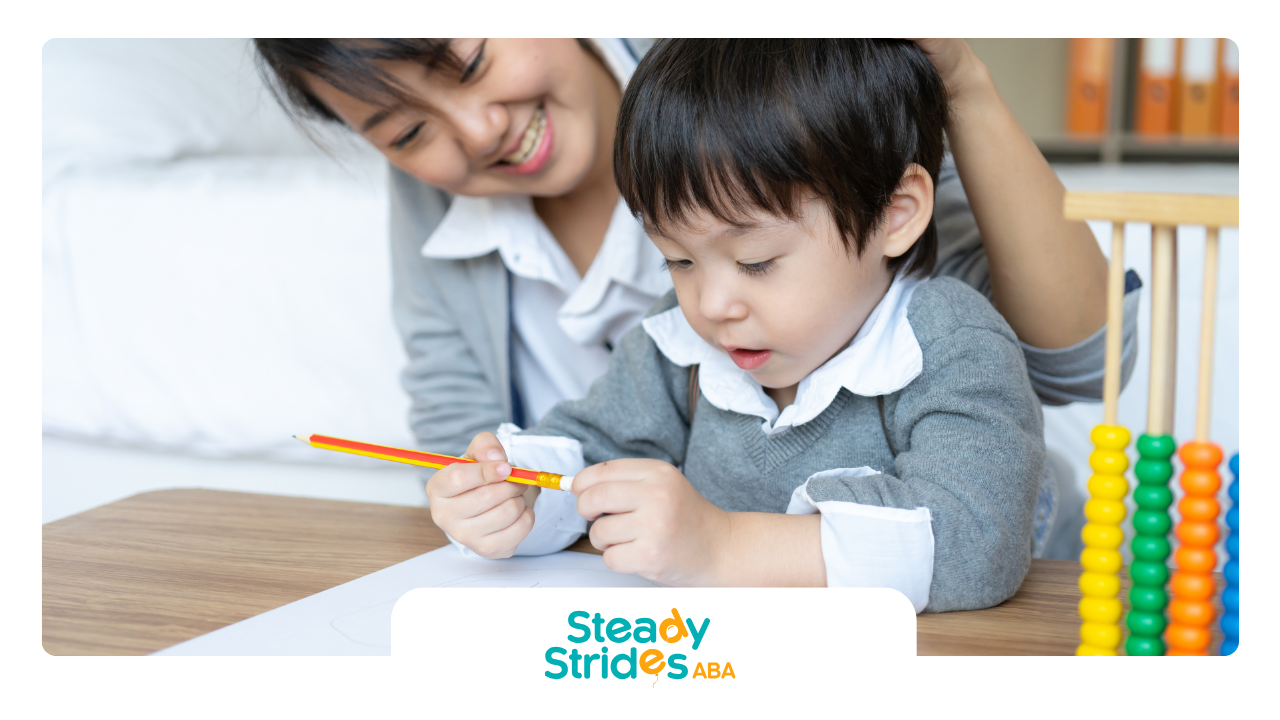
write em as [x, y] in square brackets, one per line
[526, 116]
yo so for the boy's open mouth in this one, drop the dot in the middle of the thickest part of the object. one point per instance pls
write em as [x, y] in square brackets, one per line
[531, 141]
[749, 359]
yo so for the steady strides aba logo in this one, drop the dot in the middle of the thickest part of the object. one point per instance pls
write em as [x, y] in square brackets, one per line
[626, 660]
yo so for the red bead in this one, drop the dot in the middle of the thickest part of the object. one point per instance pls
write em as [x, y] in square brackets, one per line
[1191, 612]
[1195, 559]
[1201, 534]
[1201, 455]
[1187, 637]
[1194, 507]
[1192, 586]
[1200, 482]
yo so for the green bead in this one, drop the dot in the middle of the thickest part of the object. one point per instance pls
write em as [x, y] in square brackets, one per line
[1150, 547]
[1151, 522]
[1153, 497]
[1148, 574]
[1159, 446]
[1148, 599]
[1145, 624]
[1153, 472]
[1136, 645]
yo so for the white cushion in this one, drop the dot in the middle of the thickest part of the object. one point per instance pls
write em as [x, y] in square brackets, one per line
[221, 305]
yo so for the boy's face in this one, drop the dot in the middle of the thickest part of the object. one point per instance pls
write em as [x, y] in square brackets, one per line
[780, 297]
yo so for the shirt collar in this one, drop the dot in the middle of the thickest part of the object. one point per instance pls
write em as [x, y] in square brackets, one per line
[883, 357]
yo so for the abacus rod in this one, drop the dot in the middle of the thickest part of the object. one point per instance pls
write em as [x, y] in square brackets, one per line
[1162, 319]
[1207, 321]
[1171, 377]
[1115, 326]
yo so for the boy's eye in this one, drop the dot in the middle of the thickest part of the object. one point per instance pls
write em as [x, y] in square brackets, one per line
[759, 268]
[404, 139]
[668, 264]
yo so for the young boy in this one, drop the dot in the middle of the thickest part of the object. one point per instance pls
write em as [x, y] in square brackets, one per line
[814, 411]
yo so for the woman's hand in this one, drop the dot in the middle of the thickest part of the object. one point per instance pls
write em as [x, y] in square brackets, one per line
[960, 69]
[475, 504]
[650, 521]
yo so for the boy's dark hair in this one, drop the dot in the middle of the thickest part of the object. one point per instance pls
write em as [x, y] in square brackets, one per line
[731, 125]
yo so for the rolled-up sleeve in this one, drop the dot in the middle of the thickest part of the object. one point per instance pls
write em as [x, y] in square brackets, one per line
[869, 545]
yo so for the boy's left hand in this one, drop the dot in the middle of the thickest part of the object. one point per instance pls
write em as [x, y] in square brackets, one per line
[650, 521]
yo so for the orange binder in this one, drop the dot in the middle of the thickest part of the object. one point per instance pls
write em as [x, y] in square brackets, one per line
[1156, 69]
[1088, 84]
[1229, 82]
[1198, 110]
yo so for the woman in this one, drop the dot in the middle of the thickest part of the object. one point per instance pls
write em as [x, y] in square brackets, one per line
[517, 268]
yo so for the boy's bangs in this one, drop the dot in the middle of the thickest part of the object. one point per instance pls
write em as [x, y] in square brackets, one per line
[733, 127]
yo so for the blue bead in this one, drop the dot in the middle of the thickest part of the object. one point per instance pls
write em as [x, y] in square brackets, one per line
[1233, 545]
[1234, 492]
[1229, 646]
[1233, 518]
[1231, 600]
[1230, 624]
[1232, 571]
[1235, 464]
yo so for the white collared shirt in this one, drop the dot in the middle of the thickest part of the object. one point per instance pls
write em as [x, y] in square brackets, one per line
[882, 358]
[563, 326]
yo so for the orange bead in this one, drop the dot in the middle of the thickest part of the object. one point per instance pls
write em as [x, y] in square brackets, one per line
[1187, 637]
[1201, 455]
[1191, 612]
[1200, 482]
[1179, 651]
[1200, 534]
[1193, 507]
[1195, 559]
[1192, 586]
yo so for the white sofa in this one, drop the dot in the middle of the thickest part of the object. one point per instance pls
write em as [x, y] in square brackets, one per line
[214, 283]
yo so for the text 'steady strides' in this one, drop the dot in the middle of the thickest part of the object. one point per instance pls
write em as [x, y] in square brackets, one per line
[627, 663]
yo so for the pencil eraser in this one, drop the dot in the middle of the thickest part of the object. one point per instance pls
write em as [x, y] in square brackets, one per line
[566, 483]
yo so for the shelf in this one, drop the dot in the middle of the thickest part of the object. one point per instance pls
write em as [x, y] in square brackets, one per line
[1129, 147]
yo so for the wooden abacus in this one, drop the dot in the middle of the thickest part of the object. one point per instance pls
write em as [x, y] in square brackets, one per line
[1192, 583]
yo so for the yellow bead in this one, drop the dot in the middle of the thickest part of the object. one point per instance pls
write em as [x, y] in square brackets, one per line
[1108, 487]
[1099, 585]
[1110, 437]
[1100, 561]
[1100, 635]
[1111, 462]
[1104, 512]
[1106, 537]
[1100, 610]
[1091, 650]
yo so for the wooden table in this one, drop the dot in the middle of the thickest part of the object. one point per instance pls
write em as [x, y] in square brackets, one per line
[155, 569]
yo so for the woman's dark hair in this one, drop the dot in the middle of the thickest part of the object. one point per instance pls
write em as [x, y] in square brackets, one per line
[732, 125]
[351, 66]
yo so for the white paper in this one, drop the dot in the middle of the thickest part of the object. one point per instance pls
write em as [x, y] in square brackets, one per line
[355, 618]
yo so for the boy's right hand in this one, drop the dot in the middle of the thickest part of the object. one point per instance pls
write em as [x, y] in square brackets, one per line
[475, 504]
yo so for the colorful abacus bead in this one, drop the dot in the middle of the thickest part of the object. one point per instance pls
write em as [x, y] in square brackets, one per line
[1191, 609]
[1151, 523]
[1231, 594]
[1100, 608]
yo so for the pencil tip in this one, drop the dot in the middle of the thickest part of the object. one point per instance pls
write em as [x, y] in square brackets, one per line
[300, 437]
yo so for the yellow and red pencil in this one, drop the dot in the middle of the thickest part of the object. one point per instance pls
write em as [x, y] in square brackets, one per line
[431, 460]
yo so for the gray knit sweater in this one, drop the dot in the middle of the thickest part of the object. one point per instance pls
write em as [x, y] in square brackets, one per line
[968, 433]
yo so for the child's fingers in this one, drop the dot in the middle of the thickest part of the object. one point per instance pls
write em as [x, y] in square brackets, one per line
[613, 530]
[485, 446]
[481, 500]
[498, 531]
[463, 477]
[612, 471]
[503, 543]
[615, 497]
